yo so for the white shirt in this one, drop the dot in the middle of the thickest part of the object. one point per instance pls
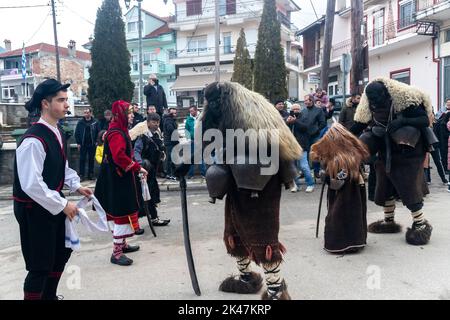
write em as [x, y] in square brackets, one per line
[30, 156]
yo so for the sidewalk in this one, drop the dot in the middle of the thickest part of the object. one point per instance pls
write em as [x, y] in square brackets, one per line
[164, 185]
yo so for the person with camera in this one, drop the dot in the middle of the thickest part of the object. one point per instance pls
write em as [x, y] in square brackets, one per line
[300, 130]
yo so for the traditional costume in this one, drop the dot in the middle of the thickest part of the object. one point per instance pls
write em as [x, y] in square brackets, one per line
[253, 200]
[116, 187]
[149, 151]
[341, 154]
[399, 118]
[40, 172]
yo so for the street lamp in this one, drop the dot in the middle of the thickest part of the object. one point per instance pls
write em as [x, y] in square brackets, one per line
[141, 82]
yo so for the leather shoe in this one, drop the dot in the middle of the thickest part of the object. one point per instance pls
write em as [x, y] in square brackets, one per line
[130, 248]
[123, 260]
[139, 231]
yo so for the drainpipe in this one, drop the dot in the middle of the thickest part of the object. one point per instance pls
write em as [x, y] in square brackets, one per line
[437, 60]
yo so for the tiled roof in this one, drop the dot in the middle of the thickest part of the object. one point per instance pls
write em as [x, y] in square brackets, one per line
[156, 33]
[45, 47]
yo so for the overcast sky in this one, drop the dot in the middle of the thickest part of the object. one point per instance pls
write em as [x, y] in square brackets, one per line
[76, 19]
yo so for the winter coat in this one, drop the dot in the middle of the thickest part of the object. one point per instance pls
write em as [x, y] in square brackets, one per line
[189, 127]
[300, 131]
[170, 125]
[448, 154]
[347, 115]
[156, 97]
[314, 119]
[80, 131]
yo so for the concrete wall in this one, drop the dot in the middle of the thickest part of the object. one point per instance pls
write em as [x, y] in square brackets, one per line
[418, 58]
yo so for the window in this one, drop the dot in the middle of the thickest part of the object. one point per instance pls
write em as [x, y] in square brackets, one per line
[446, 77]
[227, 43]
[133, 26]
[406, 10]
[134, 62]
[378, 28]
[13, 64]
[227, 7]
[197, 45]
[402, 75]
[8, 92]
[148, 57]
[447, 35]
[193, 7]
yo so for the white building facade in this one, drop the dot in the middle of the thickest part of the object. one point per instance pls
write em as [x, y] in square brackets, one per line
[401, 43]
[195, 41]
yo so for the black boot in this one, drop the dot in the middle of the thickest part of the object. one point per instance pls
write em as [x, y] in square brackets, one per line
[250, 283]
[382, 226]
[419, 233]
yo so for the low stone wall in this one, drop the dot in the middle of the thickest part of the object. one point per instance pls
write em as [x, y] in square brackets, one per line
[15, 114]
[8, 152]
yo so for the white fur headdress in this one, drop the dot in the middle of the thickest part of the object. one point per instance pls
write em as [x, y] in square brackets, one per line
[403, 96]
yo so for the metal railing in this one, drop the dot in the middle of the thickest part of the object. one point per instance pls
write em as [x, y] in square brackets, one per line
[426, 4]
[374, 38]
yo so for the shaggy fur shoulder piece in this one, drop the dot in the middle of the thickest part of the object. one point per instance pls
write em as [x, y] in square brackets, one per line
[245, 109]
[403, 96]
[139, 129]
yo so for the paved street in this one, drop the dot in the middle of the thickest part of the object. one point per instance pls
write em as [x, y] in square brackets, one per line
[160, 269]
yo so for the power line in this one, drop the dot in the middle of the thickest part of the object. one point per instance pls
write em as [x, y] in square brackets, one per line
[21, 7]
[39, 28]
[76, 13]
[314, 9]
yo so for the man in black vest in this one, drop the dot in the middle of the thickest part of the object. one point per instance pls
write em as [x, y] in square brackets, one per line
[40, 172]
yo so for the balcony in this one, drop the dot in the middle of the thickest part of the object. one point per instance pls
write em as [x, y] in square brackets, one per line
[12, 74]
[380, 40]
[155, 66]
[438, 10]
[207, 54]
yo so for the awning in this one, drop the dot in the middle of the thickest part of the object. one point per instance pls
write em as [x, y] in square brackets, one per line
[197, 82]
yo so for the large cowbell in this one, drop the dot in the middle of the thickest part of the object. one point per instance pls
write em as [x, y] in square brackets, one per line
[248, 175]
[218, 180]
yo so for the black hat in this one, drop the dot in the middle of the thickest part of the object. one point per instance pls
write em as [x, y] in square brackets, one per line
[278, 101]
[44, 89]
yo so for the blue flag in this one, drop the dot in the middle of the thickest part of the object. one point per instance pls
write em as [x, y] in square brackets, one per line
[24, 63]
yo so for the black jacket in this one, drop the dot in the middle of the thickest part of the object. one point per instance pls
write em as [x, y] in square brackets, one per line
[169, 125]
[80, 131]
[137, 118]
[300, 131]
[155, 97]
[102, 124]
[314, 119]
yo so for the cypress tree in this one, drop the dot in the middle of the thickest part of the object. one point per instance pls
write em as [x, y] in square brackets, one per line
[242, 64]
[110, 78]
[270, 69]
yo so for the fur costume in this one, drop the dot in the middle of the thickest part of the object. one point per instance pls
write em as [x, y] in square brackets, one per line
[251, 222]
[341, 154]
[403, 96]
[399, 164]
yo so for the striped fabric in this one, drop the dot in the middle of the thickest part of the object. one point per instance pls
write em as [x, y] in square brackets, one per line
[24, 63]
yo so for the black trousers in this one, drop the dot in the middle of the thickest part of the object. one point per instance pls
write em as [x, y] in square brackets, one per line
[87, 153]
[436, 154]
[42, 239]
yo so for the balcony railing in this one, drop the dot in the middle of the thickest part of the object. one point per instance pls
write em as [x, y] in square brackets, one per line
[206, 51]
[426, 4]
[374, 38]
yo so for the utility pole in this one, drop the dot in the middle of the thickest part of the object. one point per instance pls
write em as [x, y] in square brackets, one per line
[329, 23]
[357, 79]
[217, 29]
[58, 68]
[141, 81]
